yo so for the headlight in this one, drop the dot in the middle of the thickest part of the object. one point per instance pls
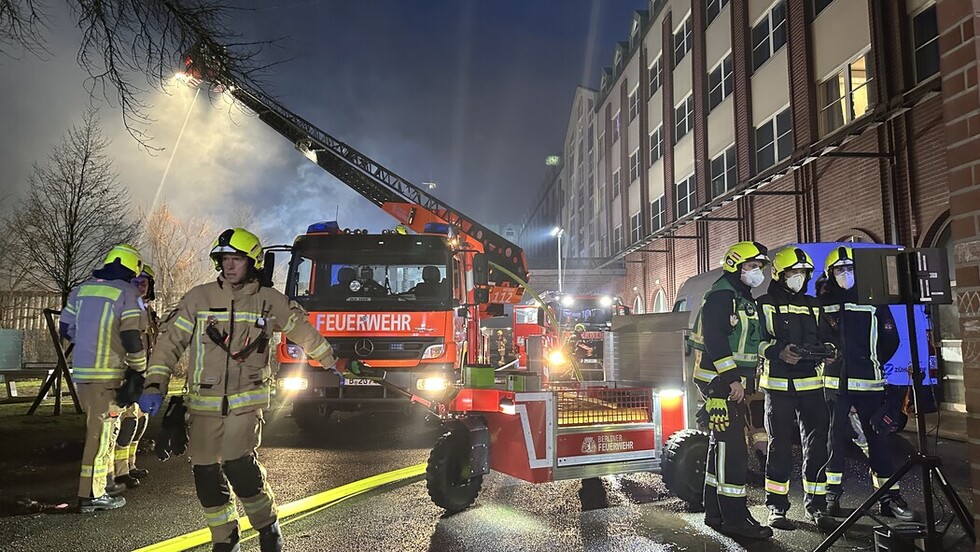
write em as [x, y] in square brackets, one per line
[605, 301]
[432, 383]
[434, 351]
[507, 406]
[294, 351]
[294, 384]
[556, 358]
[567, 301]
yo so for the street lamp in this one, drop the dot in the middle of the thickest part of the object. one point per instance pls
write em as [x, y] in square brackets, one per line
[558, 232]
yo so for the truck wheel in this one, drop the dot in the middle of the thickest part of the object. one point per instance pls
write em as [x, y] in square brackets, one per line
[447, 474]
[311, 416]
[683, 465]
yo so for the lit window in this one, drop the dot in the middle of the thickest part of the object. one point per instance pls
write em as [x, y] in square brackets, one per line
[683, 41]
[845, 96]
[768, 35]
[720, 82]
[686, 196]
[723, 176]
[925, 42]
[684, 117]
[774, 140]
[656, 144]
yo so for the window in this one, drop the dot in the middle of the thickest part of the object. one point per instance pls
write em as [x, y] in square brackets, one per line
[773, 140]
[634, 103]
[658, 214]
[617, 184]
[723, 176]
[634, 165]
[659, 302]
[720, 82]
[655, 76]
[683, 40]
[618, 238]
[712, 8]
[769, 35]
[615, 127]
[925, 42]
[635, 227]
[819, 5]
[845, 96]
[656, 144]
[684, 117]
[686, 197]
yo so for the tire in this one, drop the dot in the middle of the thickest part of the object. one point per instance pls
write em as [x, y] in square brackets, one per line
[444, 475]
[311, 416]
[683, 465]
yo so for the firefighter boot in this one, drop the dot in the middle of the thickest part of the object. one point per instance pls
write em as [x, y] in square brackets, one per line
[825, 523]
[833, 506]
[231, 546]
[895, 506]
[270, 539]
[138, 473]
[128, 481]
[747, 529]
[778, 520]
[104, 502]
[114, 489]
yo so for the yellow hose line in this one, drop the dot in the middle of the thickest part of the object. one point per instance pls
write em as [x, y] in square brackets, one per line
[203, 536]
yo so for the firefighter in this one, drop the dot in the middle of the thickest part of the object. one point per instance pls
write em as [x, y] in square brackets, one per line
[866, 338]
[228, 324]
[726, 342]
[793, 386]
[105, 319]
[501, 348]
[133, 421]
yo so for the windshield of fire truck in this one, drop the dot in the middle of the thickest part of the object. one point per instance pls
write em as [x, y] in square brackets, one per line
[371, 273]
[586, 311]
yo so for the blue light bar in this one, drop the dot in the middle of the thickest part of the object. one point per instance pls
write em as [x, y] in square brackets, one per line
[441, 228]
[325, 227]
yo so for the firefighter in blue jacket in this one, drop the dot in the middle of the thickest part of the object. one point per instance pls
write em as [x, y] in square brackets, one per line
[726, 342]
[866, 338]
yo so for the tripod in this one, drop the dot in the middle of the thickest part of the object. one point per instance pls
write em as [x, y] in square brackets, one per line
[929, 463]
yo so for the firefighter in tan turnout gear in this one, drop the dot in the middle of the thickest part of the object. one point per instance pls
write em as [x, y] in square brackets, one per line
[726, 342]
[227, 324]
[133, 421]
[105, 319]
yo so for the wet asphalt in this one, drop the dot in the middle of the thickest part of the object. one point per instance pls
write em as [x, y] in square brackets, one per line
[628, 512]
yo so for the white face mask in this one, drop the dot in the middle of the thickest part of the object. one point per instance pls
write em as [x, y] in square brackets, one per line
[845, 279]
[753, 278]
[795, 283]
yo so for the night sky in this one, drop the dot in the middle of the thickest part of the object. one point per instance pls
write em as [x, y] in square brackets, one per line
[471, 95]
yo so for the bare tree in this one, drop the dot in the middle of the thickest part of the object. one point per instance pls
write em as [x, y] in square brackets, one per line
[177, 249]
[75, 212]
[125, 41]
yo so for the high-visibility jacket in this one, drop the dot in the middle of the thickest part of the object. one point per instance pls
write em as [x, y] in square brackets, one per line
[96, 314]
[865, 336]
[726, 330]
[788, 319]
[228, 332]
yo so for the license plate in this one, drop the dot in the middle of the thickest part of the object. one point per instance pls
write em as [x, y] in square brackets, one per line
[590, 361]
[357, 381]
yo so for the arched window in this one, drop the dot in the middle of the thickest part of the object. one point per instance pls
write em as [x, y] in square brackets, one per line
[638, 305]
[660, 301]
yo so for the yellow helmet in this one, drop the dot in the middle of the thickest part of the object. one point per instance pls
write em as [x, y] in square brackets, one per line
[842, 256]
[148, 271]
[790, 258]
[742, 252]
[127, 255]
[237, 240]
[579, 327]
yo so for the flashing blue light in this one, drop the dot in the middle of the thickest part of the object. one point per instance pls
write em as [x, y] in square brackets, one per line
[441, 228]
[327, 227]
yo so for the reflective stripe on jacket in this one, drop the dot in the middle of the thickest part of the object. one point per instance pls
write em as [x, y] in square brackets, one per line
[96, 313]
[866, 339]
[788, 319]
[727, 331]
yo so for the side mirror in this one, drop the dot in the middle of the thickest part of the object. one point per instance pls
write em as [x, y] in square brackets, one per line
[541, 317]
[481, 270]
[482, 295]
[462, 312]
[268, 269]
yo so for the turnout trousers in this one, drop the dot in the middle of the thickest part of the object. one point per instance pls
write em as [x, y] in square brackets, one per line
[725, 472]
[223, 451]
[787, 413]
[879, 450]
[101, 425]
[132, 426]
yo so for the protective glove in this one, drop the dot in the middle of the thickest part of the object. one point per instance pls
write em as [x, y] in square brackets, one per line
[701, 417]
[173, 434]
[150, 401]
[718, 419]
[131, 389]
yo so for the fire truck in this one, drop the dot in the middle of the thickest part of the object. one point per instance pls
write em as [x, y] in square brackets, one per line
[578, 335]
[408, 300]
